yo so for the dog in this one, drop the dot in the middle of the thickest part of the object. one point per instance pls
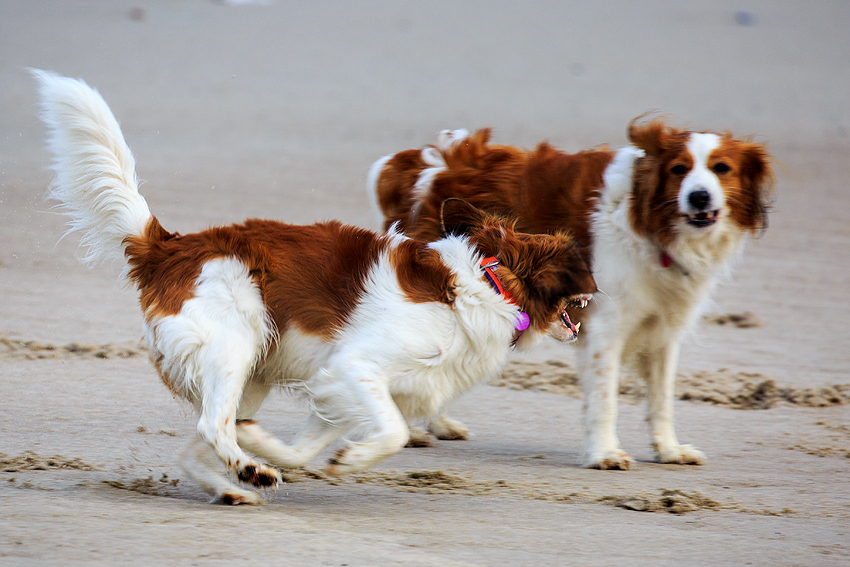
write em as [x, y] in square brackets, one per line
[371, 329]
[657, 221]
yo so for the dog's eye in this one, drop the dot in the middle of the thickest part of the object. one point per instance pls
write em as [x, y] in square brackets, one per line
[721, 168]
[678, 169]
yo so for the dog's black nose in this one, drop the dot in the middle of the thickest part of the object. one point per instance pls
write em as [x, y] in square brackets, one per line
[699, 199]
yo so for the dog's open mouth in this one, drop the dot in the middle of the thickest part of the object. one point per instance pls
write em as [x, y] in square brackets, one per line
[567, 331]
[565, 319]
[703, 219]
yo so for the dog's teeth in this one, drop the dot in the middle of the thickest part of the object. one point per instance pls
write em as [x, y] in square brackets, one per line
[583, 303]
[578, 326]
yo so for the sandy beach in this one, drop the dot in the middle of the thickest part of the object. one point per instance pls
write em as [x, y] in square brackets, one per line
[276, 110]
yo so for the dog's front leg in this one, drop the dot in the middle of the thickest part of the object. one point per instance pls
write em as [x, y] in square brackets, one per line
[316, 434]
[659, 370]
[376, 413]
[600, 361]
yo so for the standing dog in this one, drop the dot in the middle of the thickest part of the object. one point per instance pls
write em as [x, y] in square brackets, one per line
[657, 221]
[372, 329]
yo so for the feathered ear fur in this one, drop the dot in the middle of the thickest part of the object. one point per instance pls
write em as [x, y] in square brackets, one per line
[653, 137]
[459, 217]
[756, 185]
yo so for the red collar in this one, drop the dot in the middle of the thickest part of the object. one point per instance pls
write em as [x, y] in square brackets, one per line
[667, 260]
[488, 265]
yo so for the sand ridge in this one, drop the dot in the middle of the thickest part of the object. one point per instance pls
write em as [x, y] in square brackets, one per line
[31, 349]
[32, 461]
[428, 482]
[722, 387]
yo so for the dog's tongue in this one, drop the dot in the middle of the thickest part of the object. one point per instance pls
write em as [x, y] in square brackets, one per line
[565, 318]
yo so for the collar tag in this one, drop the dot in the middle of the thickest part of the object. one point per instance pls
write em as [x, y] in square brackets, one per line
[522, 322]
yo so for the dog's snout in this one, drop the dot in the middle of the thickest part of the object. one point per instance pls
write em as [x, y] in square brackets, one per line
[699, 199]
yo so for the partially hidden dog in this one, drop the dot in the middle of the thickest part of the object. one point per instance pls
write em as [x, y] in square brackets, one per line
[657, 221]
[371, 329]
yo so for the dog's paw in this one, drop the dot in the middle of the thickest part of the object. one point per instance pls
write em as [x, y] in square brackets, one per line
[448, 429]
[261, 476]
[237, 497]
[337, 465]
[419, 438]
[351, 460]
[609, 460]
[680, 455]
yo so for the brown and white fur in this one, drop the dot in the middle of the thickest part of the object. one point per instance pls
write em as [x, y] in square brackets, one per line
[657, 220]
[371, 329]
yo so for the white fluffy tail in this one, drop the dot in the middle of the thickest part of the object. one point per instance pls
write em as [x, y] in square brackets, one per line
[372, 189]
[95, 180]
[448, 138]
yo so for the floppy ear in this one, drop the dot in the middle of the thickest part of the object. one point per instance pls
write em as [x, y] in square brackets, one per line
[756, 183]
[459, 217]
[653, 138]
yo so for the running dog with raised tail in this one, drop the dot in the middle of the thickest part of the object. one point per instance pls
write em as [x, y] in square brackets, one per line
[657, 221]
[372, 329]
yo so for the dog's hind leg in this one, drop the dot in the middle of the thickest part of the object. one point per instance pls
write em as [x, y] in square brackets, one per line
[419, 437]
[218, 337]
[442, 427]
[448, 429]
[658, 368]
[225, 373]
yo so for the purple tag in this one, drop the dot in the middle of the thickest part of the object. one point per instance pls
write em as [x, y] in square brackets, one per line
[522, 321]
